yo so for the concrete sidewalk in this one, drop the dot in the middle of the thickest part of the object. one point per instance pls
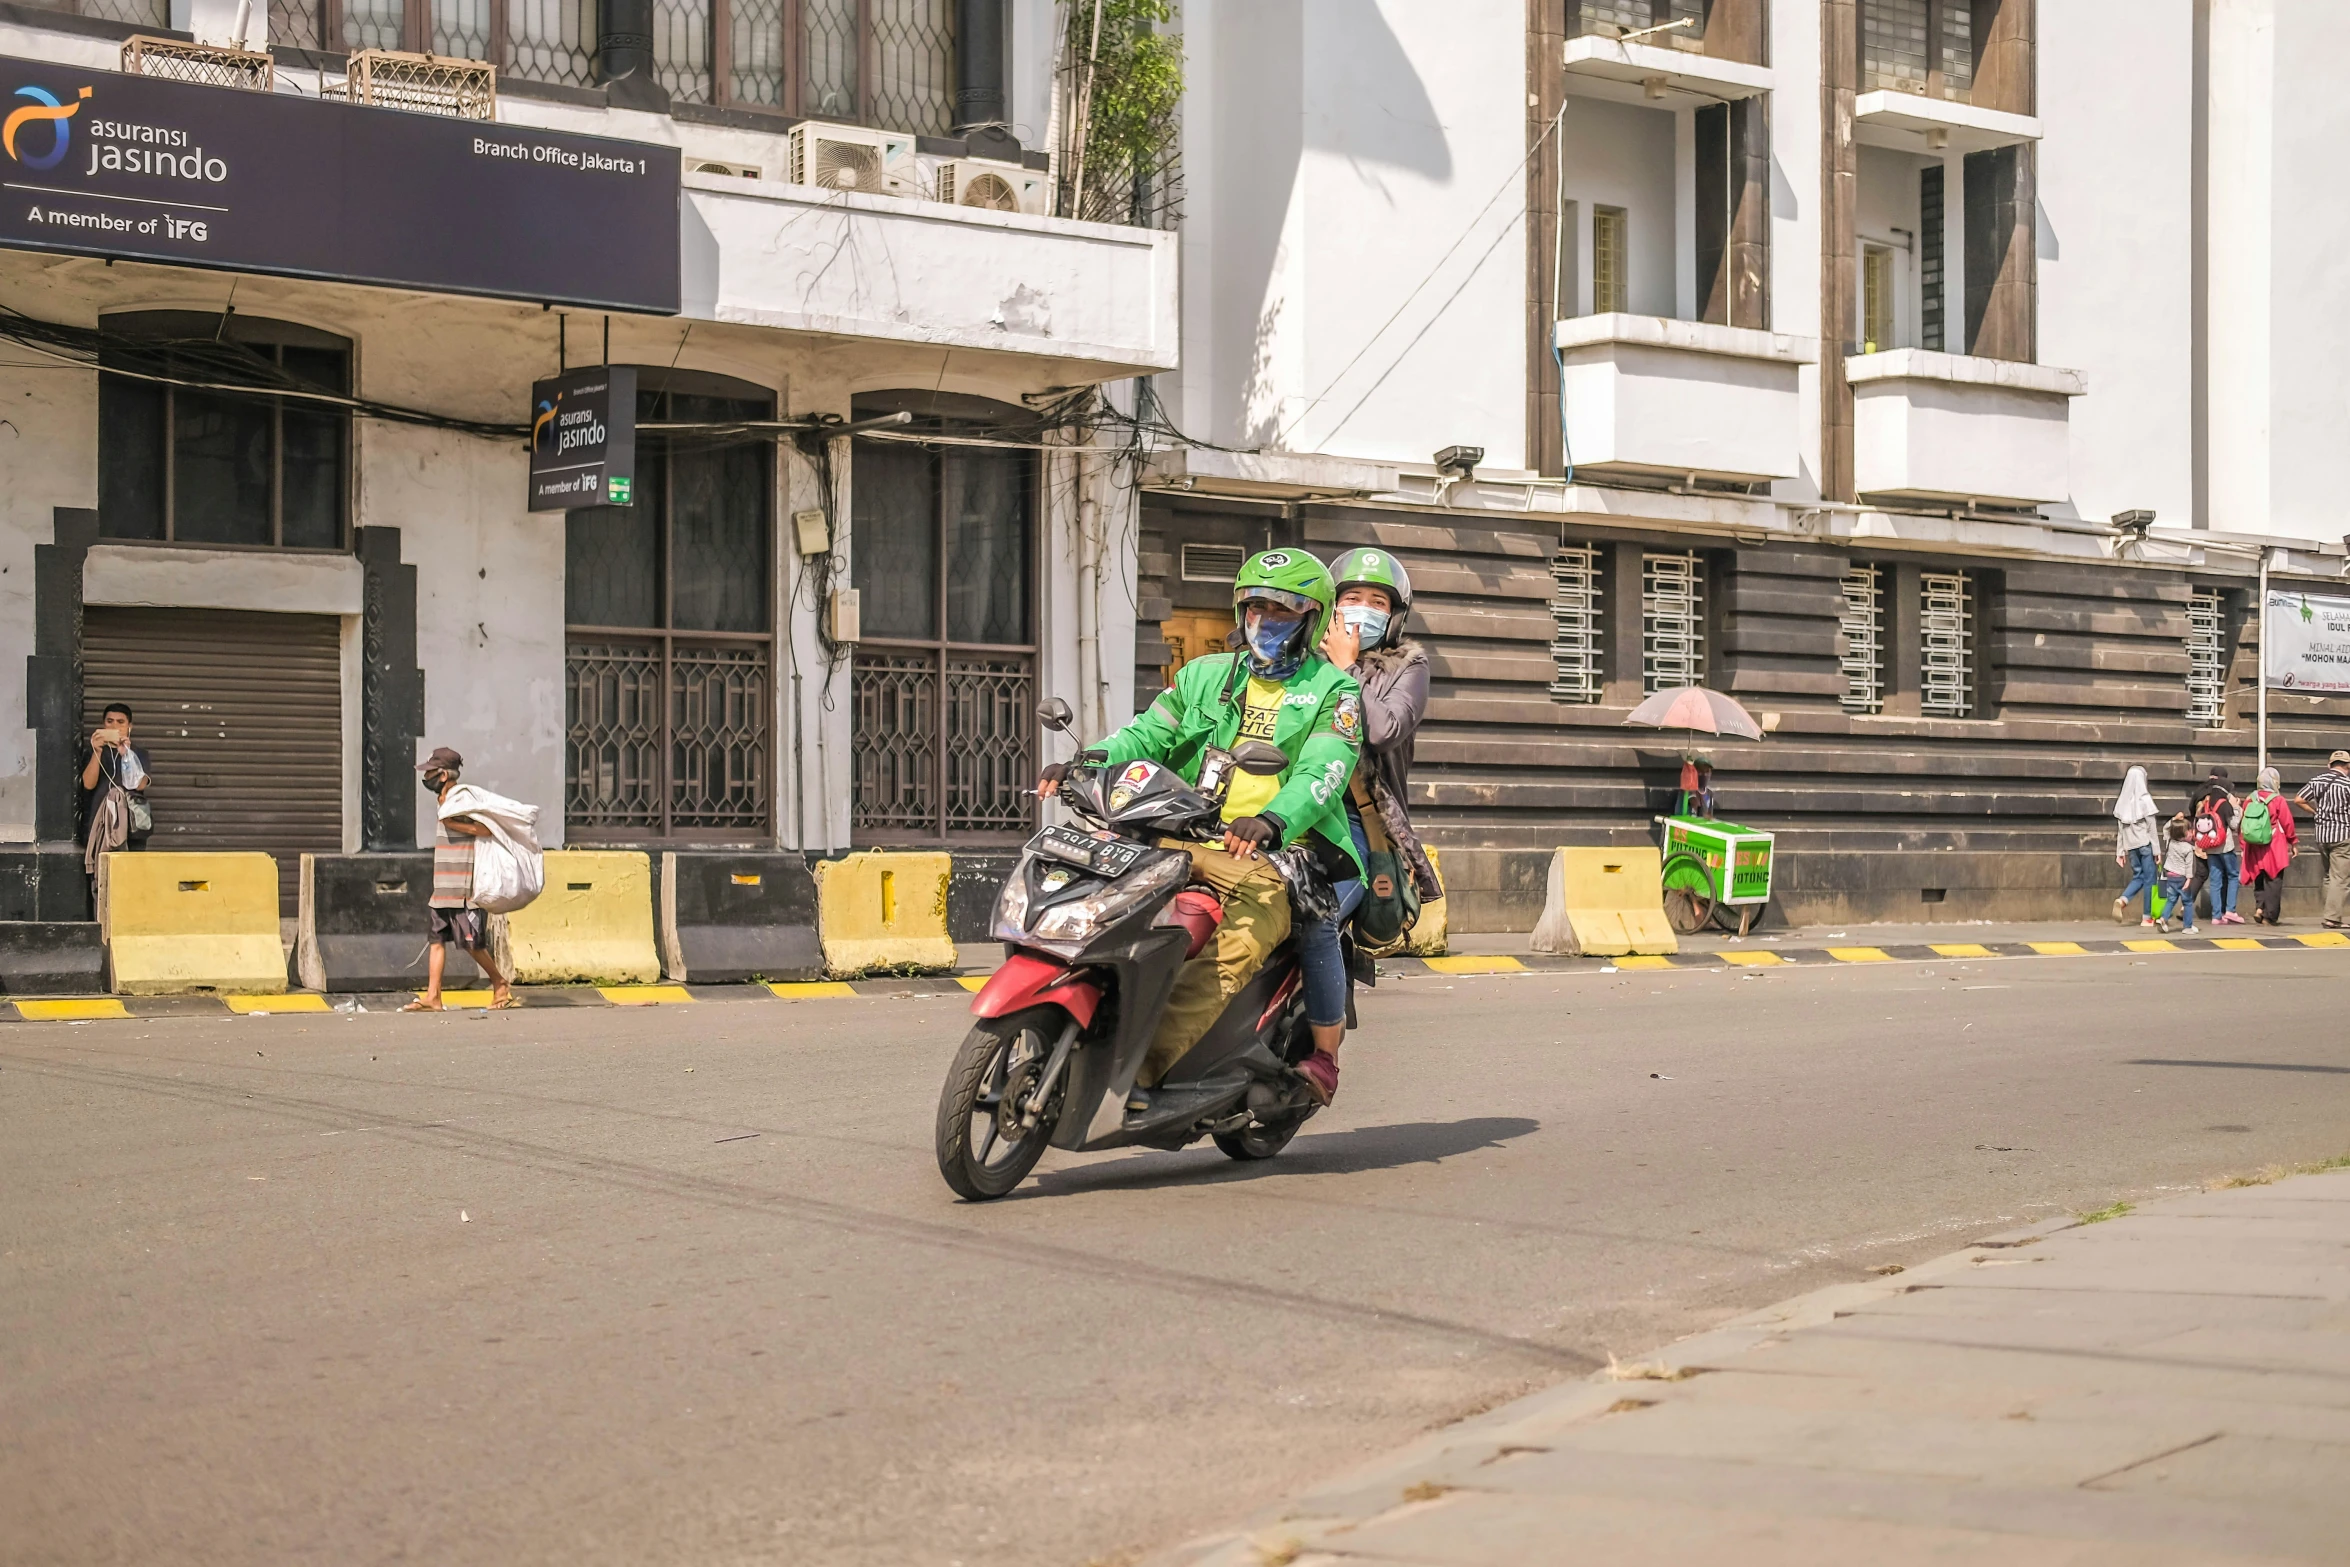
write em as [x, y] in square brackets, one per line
[2171, 1386]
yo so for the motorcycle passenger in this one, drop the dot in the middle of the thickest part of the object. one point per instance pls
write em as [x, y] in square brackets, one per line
[1274, 686]
[1366, 640]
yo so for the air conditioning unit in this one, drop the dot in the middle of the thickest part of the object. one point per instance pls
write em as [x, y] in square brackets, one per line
[849, 157]
[998, 187]
[740, 171]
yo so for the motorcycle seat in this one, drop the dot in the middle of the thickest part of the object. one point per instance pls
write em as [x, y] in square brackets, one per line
[1199, 912]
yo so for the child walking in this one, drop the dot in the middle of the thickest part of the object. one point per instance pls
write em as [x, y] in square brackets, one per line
[2178, 863]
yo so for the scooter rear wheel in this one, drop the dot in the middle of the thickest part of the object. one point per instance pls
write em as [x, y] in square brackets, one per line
[982, 1151]
[1256, 1141]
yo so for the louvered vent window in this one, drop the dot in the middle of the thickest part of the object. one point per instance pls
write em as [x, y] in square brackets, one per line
[1672, 621]
[2206, 667]
[1946, 673]
[1863, 625]
[1575, 662]
[1213, 562]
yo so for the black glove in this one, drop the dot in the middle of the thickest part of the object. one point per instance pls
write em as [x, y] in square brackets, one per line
[1053, 772]
[1259, 832]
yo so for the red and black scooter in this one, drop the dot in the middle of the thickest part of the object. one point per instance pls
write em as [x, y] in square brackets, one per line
[1096, 922]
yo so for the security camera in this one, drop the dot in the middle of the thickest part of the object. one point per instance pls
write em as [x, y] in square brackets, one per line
[1460, 460]
[2136, 522]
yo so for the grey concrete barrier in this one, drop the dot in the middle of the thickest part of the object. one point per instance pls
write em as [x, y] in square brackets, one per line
[729, 917]
[363, 922]
[52, 958]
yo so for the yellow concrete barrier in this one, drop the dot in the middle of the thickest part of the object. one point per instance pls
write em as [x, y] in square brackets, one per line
[881, 910]
[592, 925]
[1605, 903]
[179, 922]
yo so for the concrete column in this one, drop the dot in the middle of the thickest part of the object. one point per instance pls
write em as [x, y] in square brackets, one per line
[2241, 224]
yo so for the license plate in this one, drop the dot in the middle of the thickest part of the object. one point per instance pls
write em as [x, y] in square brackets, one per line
[1110, 857]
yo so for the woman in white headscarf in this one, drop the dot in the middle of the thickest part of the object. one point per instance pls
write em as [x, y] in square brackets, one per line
[2136, 818]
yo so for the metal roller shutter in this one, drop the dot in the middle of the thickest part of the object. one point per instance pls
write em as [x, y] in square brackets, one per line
[241, 717]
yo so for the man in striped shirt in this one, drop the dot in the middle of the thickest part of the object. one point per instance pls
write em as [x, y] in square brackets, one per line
[2328, 794]
[453, 917]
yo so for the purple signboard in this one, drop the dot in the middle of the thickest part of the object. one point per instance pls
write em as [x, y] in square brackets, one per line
[98, 163]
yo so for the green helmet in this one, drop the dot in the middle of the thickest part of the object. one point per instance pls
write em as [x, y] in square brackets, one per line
[1373, 568]
[1287, 577]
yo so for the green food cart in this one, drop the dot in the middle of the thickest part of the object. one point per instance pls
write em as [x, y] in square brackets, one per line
[1714, 870]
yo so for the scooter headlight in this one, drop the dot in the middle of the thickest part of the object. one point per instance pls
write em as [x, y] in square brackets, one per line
[1081, 919]
[1011, 910]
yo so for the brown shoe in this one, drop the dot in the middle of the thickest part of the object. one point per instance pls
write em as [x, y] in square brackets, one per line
[1320, 1072]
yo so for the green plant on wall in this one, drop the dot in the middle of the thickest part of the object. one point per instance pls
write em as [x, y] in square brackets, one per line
[1121, 85]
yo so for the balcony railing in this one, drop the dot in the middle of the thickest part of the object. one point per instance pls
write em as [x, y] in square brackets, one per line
[879, 62]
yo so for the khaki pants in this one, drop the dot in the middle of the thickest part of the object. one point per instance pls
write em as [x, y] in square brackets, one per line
[2337, 864]
[1256, 920]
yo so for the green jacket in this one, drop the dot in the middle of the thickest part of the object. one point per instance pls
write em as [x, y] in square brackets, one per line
[1320, 729]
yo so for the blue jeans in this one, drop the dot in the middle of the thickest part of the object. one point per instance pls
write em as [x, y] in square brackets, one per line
[2143, 869]
[2176, 903]
[2225, 869]
[1317, 947]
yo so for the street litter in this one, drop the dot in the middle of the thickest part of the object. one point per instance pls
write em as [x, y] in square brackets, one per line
[463, 1217]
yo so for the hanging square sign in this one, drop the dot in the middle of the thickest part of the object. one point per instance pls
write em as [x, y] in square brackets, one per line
[583, 439]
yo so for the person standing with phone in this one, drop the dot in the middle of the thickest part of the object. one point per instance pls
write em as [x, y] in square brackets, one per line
[114, 782]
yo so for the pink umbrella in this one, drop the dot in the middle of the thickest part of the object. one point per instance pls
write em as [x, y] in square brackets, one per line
[1694, 708]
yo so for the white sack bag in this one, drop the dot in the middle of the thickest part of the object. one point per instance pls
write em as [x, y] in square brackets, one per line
[509, 869]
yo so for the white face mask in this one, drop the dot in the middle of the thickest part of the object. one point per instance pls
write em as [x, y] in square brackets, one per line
[1369, 624]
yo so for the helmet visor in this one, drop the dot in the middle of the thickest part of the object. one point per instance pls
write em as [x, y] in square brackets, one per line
[1279, 598]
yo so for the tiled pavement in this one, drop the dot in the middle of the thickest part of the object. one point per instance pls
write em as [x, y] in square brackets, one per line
[2170, 1387]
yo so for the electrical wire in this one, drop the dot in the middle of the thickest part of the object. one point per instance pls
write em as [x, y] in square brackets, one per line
[217, 365]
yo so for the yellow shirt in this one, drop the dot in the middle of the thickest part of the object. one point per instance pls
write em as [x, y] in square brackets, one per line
[1249, 793]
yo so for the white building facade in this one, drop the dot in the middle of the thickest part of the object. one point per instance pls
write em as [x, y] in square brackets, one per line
[1830, 352]
[870, 526]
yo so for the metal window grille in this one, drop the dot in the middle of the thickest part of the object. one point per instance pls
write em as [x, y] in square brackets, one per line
[460, 29]
[1672, 621]
[1863, 627]
[914, 65]
[298, 24]
[375, 24]
[755, 52]
[551, 41]
[681, 49]
[1611, 281]
[138, 13]
[1213, 562]
[1946, 627]
[2206, 662]
[1576, 663]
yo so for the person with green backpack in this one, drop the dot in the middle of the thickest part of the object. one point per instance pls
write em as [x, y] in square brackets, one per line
[2267, 830]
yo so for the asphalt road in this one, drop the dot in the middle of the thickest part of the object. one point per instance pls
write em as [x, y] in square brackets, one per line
[682, 1285]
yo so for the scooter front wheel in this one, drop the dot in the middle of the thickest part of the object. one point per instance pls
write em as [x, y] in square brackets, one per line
[983, 1150]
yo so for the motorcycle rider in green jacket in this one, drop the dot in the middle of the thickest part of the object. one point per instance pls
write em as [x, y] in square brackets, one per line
[1276, 687]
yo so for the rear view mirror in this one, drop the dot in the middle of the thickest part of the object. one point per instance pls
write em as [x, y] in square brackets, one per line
[1259, 757]
[1056, 714]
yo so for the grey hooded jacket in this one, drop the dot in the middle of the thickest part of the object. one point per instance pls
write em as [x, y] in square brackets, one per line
[1395, 699]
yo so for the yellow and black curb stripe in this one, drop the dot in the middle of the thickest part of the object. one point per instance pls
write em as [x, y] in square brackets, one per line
[83, 1009]
[1832, 957]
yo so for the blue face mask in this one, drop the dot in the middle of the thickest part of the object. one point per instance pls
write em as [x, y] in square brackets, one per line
[1276, 647]
[1370, 624]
